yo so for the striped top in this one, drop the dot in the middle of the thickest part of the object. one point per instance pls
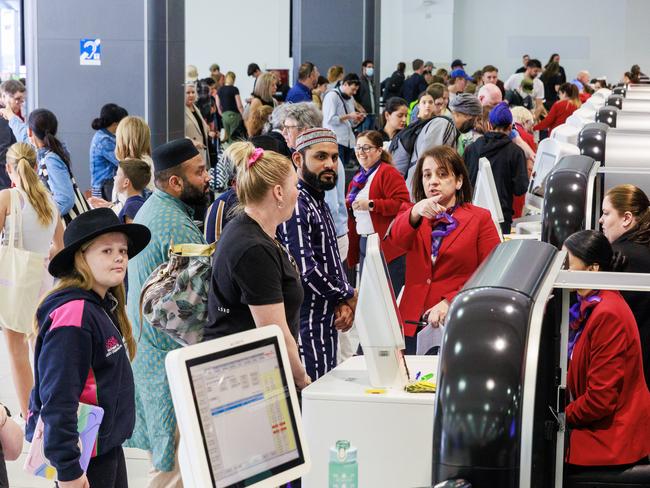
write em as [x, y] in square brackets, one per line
[311, 239]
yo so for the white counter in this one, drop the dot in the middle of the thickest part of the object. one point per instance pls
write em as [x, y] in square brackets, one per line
[392, 431]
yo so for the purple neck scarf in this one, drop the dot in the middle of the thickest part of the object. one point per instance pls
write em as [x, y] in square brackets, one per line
[443, 225]
[360, 180]
[578, 315]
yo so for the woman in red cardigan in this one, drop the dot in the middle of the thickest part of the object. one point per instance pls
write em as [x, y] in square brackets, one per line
[445, 238]
[609, 410]
[374, 197]
[568, 103]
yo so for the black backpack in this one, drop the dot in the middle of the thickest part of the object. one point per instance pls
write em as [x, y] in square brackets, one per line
[407, 136]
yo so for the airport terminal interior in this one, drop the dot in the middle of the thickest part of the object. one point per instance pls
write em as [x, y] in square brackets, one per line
[324, 244]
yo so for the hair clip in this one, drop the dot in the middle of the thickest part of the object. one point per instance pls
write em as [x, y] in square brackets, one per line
[257, 154]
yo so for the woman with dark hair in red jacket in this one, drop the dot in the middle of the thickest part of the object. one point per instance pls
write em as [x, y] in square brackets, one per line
[374, 197]
[609, 409]
[444, 236]
[568, 103]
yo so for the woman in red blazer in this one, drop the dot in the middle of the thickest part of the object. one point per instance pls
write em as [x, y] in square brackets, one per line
[445, 237]
[374, 197]
[568, 103]
[609, 409]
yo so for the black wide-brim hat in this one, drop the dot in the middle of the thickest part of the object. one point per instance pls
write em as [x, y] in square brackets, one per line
[90, 225]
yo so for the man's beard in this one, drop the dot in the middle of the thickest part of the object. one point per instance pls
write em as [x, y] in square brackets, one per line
[192, 195]
[315, 180]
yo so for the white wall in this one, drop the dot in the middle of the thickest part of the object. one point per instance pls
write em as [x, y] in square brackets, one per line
[234, 33]
[413, 29]
[604, 37]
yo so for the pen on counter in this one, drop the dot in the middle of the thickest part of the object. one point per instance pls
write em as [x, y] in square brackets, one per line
[417, 376]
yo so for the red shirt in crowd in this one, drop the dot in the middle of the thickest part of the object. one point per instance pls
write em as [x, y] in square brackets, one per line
[560, 111]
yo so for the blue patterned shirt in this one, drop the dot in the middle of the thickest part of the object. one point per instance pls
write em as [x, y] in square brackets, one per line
[169, 220]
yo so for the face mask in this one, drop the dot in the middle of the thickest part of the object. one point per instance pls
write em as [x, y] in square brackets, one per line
[370, 72]
[345, 97]
[466, 126]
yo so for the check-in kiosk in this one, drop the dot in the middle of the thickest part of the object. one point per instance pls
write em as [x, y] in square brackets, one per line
[637, 104]
[572, 199]
[623, 119]
[623, 154]
[499, 410]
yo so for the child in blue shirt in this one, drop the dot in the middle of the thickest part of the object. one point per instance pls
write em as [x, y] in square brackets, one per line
[132, 177]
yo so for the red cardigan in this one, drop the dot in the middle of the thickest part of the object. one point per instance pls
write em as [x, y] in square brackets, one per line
[560, 111]
[461, 252]
[388, 192]
[610, 411]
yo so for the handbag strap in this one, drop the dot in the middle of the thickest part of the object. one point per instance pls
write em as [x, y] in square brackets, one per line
[16, 219]
[219, 226]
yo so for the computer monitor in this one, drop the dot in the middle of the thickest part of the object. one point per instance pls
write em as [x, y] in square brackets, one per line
[237, 412]
[549, 152]
[485, 193]
[378, 321]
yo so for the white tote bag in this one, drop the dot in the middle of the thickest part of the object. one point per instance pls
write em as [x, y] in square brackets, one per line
[21, 276]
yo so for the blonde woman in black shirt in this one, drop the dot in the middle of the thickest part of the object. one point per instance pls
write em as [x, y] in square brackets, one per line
[255, 281]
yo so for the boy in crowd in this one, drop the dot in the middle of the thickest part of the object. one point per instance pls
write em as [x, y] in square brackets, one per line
[132, 177]
[507, 160]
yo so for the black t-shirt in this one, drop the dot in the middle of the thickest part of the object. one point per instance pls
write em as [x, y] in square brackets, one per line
[227, 94]
[250, 268]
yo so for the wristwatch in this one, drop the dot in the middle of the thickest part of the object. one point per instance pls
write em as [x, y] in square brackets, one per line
[371, 205]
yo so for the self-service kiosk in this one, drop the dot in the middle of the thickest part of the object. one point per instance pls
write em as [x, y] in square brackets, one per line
[623, 119]
[623, 154]
[499, 411]
[636, 104]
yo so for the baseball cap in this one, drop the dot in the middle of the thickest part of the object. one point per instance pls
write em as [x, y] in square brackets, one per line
[459, 73]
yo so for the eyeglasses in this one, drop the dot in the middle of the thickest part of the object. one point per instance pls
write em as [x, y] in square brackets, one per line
[364, 149]
[288, 127]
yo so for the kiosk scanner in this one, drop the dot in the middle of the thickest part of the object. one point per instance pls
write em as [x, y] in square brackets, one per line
[237, 412]
[571, 195]
[622, 119]
[637, 104]
[488, 421]
[621, 153]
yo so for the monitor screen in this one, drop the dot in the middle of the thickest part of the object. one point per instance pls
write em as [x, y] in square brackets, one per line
[241, 394]
[543, 167]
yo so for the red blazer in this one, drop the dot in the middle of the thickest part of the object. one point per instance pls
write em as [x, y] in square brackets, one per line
[560, 111]
[388, 192]
[610, 411]
[460, 254]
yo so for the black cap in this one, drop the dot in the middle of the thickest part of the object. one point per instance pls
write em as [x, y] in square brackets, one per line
[173, 153]
[457, 62]
[90, 225]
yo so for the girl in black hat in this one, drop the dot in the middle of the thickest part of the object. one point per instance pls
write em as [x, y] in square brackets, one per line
[83, 350]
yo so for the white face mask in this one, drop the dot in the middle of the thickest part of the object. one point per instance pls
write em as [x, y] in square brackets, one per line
[370, 71]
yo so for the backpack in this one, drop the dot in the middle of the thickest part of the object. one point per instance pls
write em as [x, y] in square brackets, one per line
[403, 144]
[514, 99]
